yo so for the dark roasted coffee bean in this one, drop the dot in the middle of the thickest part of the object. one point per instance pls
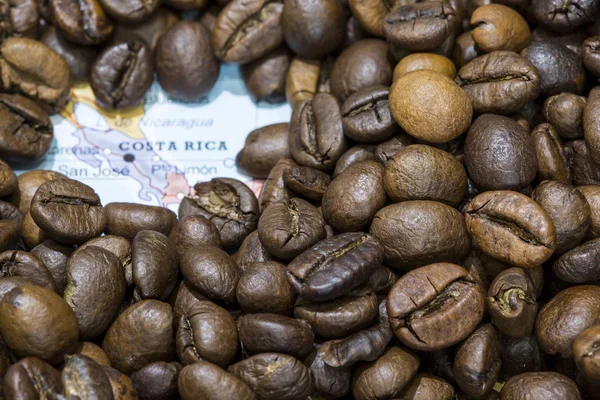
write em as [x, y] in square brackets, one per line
[147, 31]
[154, 266]
[417, 233]
[488, 79]
[525, 230]
[327, 380]
[19, 18]
[185, 65]
[54, 256]
[32, 235]
[308, 182]
[519, 355]
[131, 11]
[191, 231]
[556, 327]
[419, 27]
[592, 196]
[590, 55]
[122, 74]
[264, 288]
[264, 147]
[423, 302]
[82, 22]
[8, 180]
[83, 377]
[38, 323]
[121, 386]
[95, 289]
[32, 378]
[247, 30]
[560, 69]
[307, 77]
[128, 219]
[210, 382]
[371, 14]
[183, 297]
[465, 50]
[420, 172]
[430, 61]
[117, 245]
[477, 362]
[440, 363]
[229, 204]
[511, 303]
[207, 332]
[316, 136]
[591, 124]
[366, 115]
[385, 377]
[140, 335]
[94, 352]
[340, 317]
[211, 271]
[564, 17]
[362, 65]
[569, 211]
[334, 267]
[313, 29]
[386, 150]
[26, 132]
[540, 385]
[287, 228]
[498, 27]
[265, 77]
[29, 182]
[580, 265]
[251, 251]
[583, 169]
[28, 266]
[425, 387]
[274, 376]
[158, 381]
[356, 154]
[585, 353]
[265, 333]
[274, 187]
[552, 161]
[565, 112]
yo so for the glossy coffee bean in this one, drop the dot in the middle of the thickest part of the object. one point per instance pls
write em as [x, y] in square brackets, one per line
[274, 188]
[54, 256]
[385, 377]
[386, 150]
[327, 380]
[122, 74]
[421, 232]
[140, 335]
[38, 323]
[81, 22]
[27, 131]
[93, 352]
[274, 376]
[556, 328]
[117, 245]
[20, 18]
[524, 229]
[191, 231]
[307, 77]
[130, 12]
[371, 14]
[355, 154]
[421, 26]
[540, 385]
[498, 27]
[31, 378]
[565, 112]
[29, 182]
[308, 182]
[552, 161]
[425, 386]
[245, 31]
[583, 169]
[185, 65]
[362, 65]
[579, 265]
[569, 211]
[333, 267]
[429, 61]
[490, 163]
[354, 197]
[82, 376]
[519, 355]
[366, 115]
[68, 211]
[158, 380]
[420, 172]
[561, 17]
[264, 333]
[26, 265]
[430, 106]
[592, 196]
[229, 204]
[585, 353]
[148, 31]
[211, 382]
[265, 77]
[8, 180]
[128, 219]
[488, 79]
[79, 58]
[206, 332]
[313, 29]
[154, 266]
[591, 124]
[316, 136]
[251, 251]
[590, 56]
[465, 50]
[422, 302]
[511, 303]
[264, 288]
[121, 386]
[211, 271]
[11, 226]
[263, 148]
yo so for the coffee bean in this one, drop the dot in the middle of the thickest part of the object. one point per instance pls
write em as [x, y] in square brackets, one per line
[93, 352]
[185, 65]
[274, 188]
[356, 154]
[422, 302]
[191, 231]
[583, 169]
[27, 131]
[264, 147]
[183, 297]
[562, 17]
[536, 384]
[307, 182]
[586, 354]
[421, 26]
[525, 230]
[229, 204]
[121, 386]
[158, 380]
[251, 251]
[565, 112]
[128, 219]
[38, 323]
[511, 302]
[186, 4]
[592, 196]
[28, 266]
[31, 378]
[79, 58]
[154, 266]
[497, 27]
[265, 77]
[386, 150]
[579, 265]
[82, 22]
[148, 31]
[430, 106]
[307, 77]
[428, 61]
[417, 233]
[465, 50]
[366, 115]
[54, 256]
[426, 386]
[209, 381]
[245, 31]
[274, 376]
[207, 332]
[335, 266]
[20, 18]
[327, 380]
[68, 211]
[130, 12]
[117, 245]
[371, 14]
[552, 161]
[82, 376]
[519, 355]
[264, 288]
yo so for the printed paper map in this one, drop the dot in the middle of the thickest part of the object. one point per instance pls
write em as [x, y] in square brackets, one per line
[154, 153]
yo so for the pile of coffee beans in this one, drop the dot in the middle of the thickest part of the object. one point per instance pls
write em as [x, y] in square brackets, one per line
[428, 228]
